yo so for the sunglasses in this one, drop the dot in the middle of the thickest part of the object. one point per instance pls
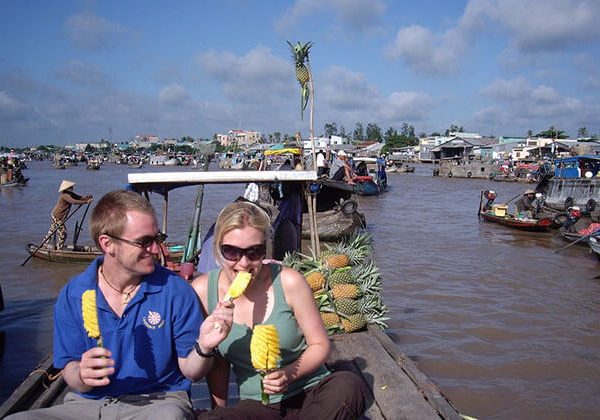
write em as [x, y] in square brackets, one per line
[233, 253]
[145, 242]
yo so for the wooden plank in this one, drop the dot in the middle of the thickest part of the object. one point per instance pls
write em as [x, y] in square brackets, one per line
[28, 390]
[427, 387]
[395, 393]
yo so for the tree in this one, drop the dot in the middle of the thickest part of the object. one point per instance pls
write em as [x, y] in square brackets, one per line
[373, 132]
[358, 134]
[583, 133]
[553, 133]
[342, 131]
[330, 129]
[529, 133]
[454, 129]
[277, 136]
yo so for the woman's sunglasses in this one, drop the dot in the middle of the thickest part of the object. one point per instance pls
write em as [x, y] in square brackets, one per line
[233, 253]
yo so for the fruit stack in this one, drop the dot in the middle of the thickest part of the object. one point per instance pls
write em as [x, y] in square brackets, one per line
[346, 284]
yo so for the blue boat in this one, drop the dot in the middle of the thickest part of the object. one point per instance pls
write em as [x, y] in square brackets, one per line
[574, 182]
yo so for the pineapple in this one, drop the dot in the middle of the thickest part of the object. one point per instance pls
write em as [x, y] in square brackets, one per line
[316, 280]
[300, 58]
[350, 291]
[354, 323]
[336, 260]
[264, 352]
[346, 306]
[89, 312]
[340, 276]
[238, 286]
[331, 320]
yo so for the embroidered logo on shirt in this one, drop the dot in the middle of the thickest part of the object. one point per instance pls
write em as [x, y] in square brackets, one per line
[153, 320]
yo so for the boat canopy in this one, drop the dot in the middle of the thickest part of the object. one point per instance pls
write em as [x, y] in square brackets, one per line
[577, 166]
[274, 151]
[163, 182]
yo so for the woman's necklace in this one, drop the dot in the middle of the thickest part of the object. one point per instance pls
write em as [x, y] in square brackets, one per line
[126, 295]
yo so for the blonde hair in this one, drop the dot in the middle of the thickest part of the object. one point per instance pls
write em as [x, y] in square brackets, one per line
[239, 215]
[109, 217]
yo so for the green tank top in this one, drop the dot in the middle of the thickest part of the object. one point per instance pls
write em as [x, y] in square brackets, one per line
[236, 347]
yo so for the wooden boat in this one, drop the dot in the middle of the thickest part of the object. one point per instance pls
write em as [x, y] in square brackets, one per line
[594, 244]
[366, 185]
[498, 213]
[398, 389]
[534, 225]
[86, 254]
[15, 183]
[334, 224]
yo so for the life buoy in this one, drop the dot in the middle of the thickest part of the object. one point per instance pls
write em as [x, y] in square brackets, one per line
[568, 202]
[449, 174]
[469, 174]
[560, 219]
[590, 206]
[349, 207]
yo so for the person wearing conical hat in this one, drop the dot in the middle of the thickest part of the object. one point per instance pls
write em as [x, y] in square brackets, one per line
[61, 210]
[525, 204]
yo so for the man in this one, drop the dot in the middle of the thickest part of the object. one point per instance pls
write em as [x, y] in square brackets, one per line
[525, 204]
[61, 210]
[344, 172]
[149, 321]
[321, 164]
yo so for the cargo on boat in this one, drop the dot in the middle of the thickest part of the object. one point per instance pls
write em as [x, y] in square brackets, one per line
[466, 168]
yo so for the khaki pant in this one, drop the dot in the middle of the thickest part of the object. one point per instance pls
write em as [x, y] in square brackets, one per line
[156, 406]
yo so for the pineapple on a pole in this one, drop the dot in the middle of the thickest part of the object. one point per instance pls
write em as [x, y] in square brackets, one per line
[300, 58]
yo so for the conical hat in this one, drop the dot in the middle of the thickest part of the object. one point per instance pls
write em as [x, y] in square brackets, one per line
[65, 185]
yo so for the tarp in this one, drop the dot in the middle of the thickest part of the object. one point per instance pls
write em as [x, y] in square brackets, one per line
[273, 151]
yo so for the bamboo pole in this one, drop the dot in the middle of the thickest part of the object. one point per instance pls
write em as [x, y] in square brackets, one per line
[312, 213]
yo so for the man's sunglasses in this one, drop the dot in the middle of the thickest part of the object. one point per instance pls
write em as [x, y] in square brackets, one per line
[233, 253]
[146, 242]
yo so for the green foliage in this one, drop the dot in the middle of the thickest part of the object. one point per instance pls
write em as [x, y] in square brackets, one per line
[454, 129]
[358, 134]
[373, 132]
[553, 133]
[330, 129]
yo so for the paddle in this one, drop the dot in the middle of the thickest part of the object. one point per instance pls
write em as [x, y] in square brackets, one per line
[580, 239]
[78, 228]
[31, 254]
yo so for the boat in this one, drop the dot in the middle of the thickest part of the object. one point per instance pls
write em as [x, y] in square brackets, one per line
[334, 224]
[466, 168]
[498, 213]
[594, 244]
[398, 389]
[85, 254]
[575, 181]
[15, 183]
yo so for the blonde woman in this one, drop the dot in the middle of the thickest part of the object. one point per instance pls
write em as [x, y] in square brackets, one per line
[303, 387]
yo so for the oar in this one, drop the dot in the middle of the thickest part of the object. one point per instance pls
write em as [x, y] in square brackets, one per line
[51, 234]
[480, 203]
[580, 239]
[78, 228]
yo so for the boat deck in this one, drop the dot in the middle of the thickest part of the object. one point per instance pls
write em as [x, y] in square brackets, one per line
[398, 389]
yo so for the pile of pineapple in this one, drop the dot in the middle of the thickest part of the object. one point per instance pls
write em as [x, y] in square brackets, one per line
[346, 284]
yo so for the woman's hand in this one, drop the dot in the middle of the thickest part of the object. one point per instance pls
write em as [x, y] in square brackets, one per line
[95, 367]
[217, 325]
[276, 382]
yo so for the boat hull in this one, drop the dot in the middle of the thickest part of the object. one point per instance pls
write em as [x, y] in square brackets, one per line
[334, 224]
[532, 225]
[79, 255]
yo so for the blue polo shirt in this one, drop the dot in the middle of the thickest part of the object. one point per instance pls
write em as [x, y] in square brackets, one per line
[159, 324]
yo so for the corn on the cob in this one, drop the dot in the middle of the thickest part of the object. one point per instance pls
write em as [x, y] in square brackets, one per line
[90, 315]
[264, 351]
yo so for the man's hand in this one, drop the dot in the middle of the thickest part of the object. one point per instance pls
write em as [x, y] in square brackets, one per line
[95, 367]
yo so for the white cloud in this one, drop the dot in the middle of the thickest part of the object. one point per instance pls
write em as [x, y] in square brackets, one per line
[356, 15]
[172, 94]
[92, 32]
[83, 74]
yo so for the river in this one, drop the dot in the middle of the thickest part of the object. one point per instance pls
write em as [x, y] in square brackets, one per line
[505, 326]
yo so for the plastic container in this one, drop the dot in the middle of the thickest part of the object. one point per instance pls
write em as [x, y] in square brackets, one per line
[500, 209]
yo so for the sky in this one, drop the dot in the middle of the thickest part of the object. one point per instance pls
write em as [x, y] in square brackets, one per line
[82, 71]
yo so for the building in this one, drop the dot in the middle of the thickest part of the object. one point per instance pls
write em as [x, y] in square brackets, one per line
[240, 138]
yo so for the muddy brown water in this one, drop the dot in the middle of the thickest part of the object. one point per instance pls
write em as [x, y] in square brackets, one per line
[504, 325]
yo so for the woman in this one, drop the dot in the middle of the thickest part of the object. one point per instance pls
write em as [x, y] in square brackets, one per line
[302, 387]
